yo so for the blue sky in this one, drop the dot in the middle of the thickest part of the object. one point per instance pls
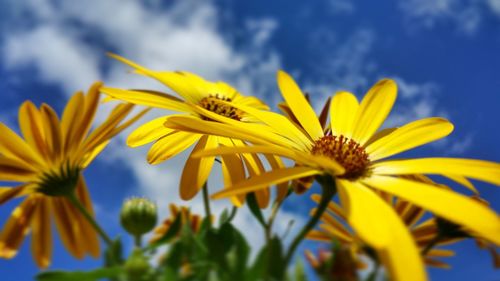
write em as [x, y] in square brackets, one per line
[444, 54]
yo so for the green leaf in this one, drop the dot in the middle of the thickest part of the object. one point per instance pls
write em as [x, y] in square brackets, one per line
[269, 264]
[254, 209]
[172, 232]
[300, 273]
[114, 254]
[79, 275]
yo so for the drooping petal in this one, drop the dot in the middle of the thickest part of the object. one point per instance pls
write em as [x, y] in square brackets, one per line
[409, 136]
[378, 225]
[89, 235]
[171, 145]
[299, 105]
[8, 193]
[17, 227]
[471, 168]
[148, 132]
[447, 204]
[343, 110]
[197, 170]
[15, 170]
[41, 241]
[67, 227]
[266, 179]
[233, 172]
[373, 110]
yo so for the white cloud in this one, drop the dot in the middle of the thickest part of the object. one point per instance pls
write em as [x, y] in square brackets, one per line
[465, 15]
[61, 59]
[185, 36]
[342, 6]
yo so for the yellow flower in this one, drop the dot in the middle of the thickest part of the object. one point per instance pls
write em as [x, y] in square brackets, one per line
[187, 218]
[333, 227]
[353, 152]
[48, 160]
[201, 100]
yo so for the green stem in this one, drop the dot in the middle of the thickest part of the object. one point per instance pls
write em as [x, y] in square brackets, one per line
[206, 202]
[328, 189]
[76, 203]
[138, 241]
[234, 210]
[270, 221]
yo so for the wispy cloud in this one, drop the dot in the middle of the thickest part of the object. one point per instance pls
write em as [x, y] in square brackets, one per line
[65, 46]
[466, 16]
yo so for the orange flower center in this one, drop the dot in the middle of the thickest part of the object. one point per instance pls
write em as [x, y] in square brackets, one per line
[346, 152]
[214, 104]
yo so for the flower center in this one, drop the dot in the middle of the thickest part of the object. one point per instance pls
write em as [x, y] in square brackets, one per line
[213, 103]
[59, 182]
[346, 152]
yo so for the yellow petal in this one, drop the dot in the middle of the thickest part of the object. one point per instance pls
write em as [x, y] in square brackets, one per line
[463, 181]
[255, 168]
[343, 109]
[471, 168]
[255, 133]
[279, 124]
[79, 131]
[409, 136]
[52, 131]
[148, 132]
[299, 105]
[68, 227]
[17, 227]
[373, 110]
[266, 179]
[197, 170]
[233, 172]
[15, 170]
[8, 193]
[12, 146]
[152, 99]
[170, 145]
[72, 116]
[30, 123]
[276, 163]
[378, 225]
[180, 82]
[89, 235]
[444, 203]
[41, 241]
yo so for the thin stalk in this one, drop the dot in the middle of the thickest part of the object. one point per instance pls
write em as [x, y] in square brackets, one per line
[270, 221]
[234, 210]
[328, 190]
[206, 202]
[76, 203]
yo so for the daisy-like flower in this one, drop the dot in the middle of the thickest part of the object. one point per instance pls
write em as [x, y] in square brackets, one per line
[334, 227]
[201, 100]
[187, 218]
[47, 162]
[354, 153]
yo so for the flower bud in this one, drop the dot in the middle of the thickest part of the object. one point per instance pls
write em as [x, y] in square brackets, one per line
[138, 216]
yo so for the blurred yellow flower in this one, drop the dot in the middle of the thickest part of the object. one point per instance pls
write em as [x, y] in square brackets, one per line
[187, 218]
[334, 227]
[352, 151]
[48, 160]
[201, 100]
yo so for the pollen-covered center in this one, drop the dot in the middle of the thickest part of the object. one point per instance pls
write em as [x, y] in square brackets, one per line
[213, 103]
[346, 152]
